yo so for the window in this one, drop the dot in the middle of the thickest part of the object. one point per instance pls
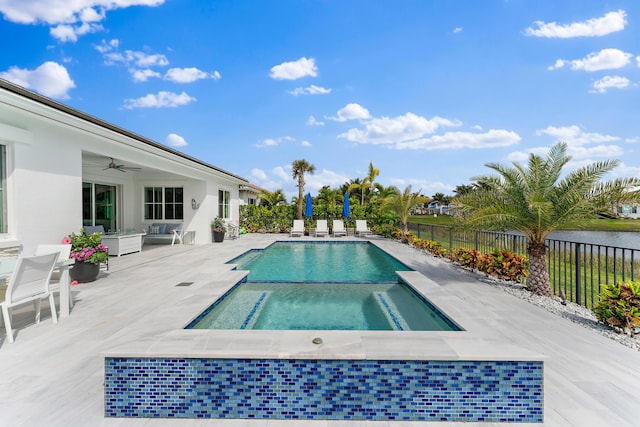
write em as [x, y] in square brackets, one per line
[163, 203]
[3, 189]
[224, 198]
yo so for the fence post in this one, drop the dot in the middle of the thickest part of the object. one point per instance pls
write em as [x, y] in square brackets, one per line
[450, 239]
[578, 281]
[433, 232]
[514, 244]
[477, 245]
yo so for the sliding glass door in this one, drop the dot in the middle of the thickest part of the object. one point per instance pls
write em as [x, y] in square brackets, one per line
[99, 205]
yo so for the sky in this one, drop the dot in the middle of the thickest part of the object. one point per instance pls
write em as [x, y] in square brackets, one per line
[429, 92]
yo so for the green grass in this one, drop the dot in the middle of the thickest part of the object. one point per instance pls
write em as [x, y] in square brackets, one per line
[596, 224]
[431, 220]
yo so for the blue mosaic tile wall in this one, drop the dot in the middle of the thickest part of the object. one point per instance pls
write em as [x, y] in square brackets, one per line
[495, 391]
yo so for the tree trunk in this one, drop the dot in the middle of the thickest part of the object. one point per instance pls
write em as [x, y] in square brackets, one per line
[538, 280]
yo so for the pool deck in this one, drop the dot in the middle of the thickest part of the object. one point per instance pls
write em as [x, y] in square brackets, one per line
[53, 374]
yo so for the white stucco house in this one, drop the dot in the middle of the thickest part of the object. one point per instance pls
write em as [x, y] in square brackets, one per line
[62, 169]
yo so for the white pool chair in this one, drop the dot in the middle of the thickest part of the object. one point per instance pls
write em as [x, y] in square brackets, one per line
[233, 231]
[338, 228]
[298, 228]
[322, 229]
[64, 252]
[362, 229]
[29, 282]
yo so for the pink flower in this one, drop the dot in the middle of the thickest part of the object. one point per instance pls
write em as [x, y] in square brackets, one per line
[66, 240]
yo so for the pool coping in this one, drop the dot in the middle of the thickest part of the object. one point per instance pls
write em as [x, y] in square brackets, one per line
[475, 342]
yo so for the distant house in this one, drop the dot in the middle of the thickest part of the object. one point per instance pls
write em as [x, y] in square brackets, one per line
[437, 208]
[249, 194]
[628, 211]
[62, 169]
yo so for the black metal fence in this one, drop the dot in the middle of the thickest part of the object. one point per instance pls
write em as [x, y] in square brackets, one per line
[577, 270]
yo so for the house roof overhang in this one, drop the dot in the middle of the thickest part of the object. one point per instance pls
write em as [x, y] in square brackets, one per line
[30, 95]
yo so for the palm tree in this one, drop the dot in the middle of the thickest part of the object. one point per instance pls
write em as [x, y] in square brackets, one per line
[272, 198]
[402, 203]
[360, 186]
[536, 202]
[330, 198]
[298, 169]
[366, 184]
[463, 189]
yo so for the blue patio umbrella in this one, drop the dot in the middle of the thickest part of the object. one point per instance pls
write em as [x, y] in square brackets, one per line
[346, 209]
[308, 211]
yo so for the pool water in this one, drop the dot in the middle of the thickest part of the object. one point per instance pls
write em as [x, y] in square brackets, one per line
[352, 262]
[326, 306]
[322, 286]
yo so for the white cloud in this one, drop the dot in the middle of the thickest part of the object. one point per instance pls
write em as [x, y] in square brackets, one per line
[321, 178]
[176, 140]
[105, 46]
[606, 59]
[459, 140]
[311, 90]
[131, 57]
[268, 142]
[580, 155]
[282, 173]
[573, 135]
[581, 146]
[273, 142]
[143, 75]
[70, 33]
[608, 82]
[422, 185]
[295, 70]
[188, 75]
[351, 112]
[623, 171]
[50, 79]
[306, 144]
[60, 11]
[69, 19]
[313, 122]
[387, 130]
[607, 24]
[457, 30]
[602, 151]
[159, 100]
[258, 174]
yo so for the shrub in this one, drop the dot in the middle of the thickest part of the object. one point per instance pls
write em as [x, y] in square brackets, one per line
[384, 230]
[466, 257]
[619, 306]
[506, 265]
[501, 264]
[435, 248]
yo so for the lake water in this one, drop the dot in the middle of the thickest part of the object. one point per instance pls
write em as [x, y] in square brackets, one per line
[621, 239]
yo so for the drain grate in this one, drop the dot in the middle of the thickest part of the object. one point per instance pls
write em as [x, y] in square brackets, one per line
[185, 284]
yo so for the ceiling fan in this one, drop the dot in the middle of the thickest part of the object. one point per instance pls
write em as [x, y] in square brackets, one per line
[122, 168]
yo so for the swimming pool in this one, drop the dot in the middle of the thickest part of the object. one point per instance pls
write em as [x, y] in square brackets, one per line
[329, 374]
[346, 262]
[322, 286]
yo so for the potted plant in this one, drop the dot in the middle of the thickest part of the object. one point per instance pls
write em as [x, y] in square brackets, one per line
[88, 252]
[217, 229]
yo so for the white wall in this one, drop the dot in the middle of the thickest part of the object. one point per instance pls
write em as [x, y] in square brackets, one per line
[45, 173]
